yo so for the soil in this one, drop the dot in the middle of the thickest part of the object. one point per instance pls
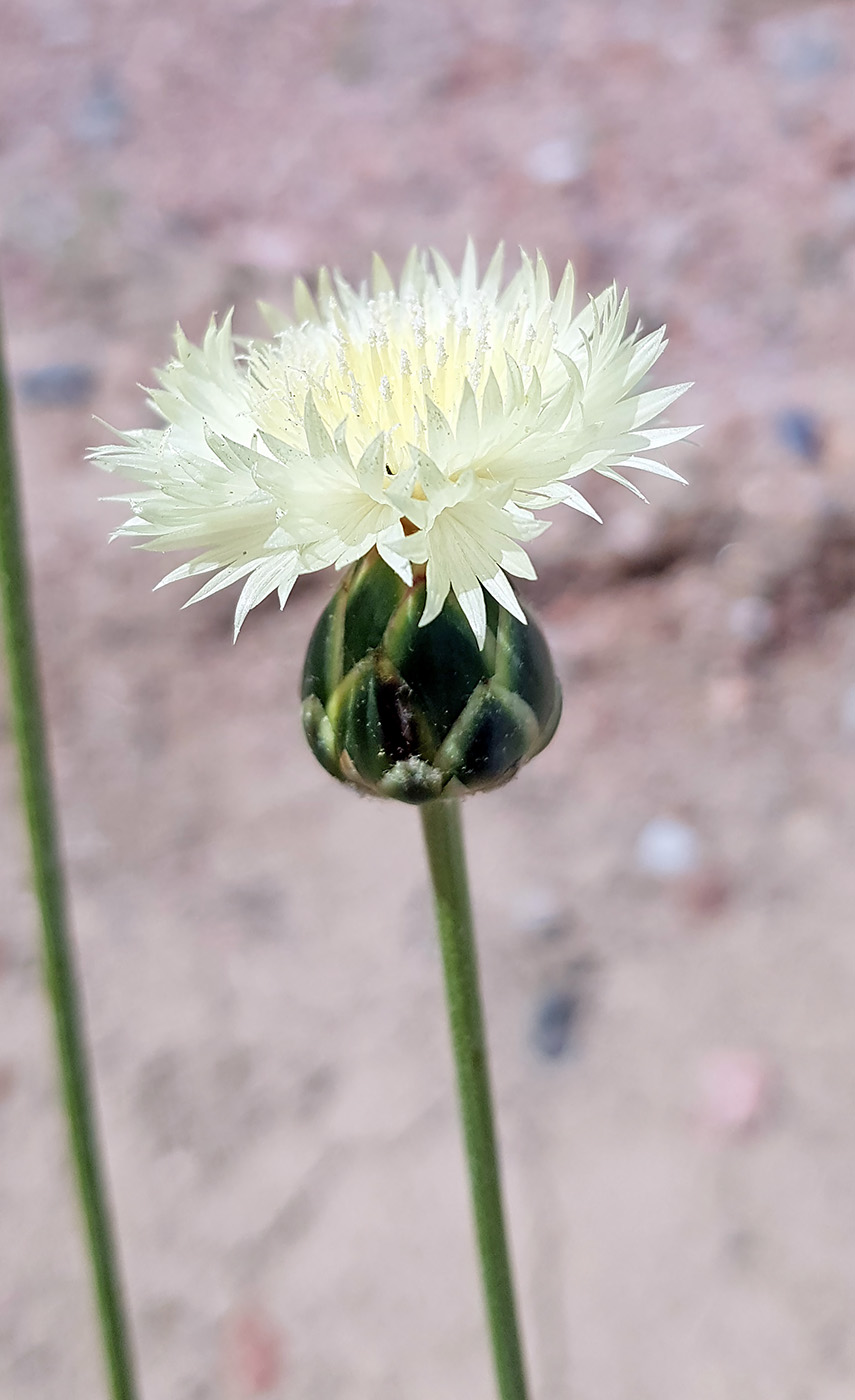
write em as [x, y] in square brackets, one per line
[664, 897]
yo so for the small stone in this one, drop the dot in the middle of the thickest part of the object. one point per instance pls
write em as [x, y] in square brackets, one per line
[800, 432]
[554, 1020]
[536, 911]
[802, 48]
[254, 1354]
[101, 120]
[560, 160]
[668, 849]
[847, 711]
[735, 1091]
[751, 621]
[57, 386]
[706, 893]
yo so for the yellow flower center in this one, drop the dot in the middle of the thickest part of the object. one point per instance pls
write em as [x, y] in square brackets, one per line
[375, 372]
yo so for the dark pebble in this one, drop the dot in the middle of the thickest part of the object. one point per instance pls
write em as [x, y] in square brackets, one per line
[57, 386]
[808, 56]
[101, 120]
[554, 1021]
[799, 431]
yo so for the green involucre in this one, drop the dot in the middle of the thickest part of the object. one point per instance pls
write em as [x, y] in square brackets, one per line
[416, 713]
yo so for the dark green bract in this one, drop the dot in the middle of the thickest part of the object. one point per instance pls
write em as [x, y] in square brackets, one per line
[417, 712]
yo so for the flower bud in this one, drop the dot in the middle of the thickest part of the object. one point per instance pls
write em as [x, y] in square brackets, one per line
[417, 712]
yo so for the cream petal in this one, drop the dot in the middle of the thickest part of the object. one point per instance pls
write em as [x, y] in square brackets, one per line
[458, 407]
[266, 579]
[504, 595]
[474, 608]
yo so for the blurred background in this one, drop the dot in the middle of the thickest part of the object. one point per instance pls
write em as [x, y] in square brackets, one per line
[665, 898]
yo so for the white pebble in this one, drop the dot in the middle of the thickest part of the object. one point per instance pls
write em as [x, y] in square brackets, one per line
[751, 620]
[557, 161]
[668, 849]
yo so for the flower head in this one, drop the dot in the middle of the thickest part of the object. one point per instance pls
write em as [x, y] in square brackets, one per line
[431, 422]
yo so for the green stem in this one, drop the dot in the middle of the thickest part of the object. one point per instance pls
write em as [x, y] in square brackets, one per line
[58, 958]
[444, 840]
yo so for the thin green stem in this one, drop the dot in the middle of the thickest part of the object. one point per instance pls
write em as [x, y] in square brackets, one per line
[444, 840]
[57, 953]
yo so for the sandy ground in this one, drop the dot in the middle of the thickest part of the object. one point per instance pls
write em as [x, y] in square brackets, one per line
[664, 898]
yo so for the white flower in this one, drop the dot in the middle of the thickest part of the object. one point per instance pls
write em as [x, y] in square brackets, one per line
[431, 422]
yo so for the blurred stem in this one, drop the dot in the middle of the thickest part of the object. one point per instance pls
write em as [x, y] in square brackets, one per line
[443, 834]
[57, 953]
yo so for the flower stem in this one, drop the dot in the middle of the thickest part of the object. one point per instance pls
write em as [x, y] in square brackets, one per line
[57, 953]
[444, 840]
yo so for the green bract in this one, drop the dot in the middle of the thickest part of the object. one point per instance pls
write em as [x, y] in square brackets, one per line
[417, 712]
